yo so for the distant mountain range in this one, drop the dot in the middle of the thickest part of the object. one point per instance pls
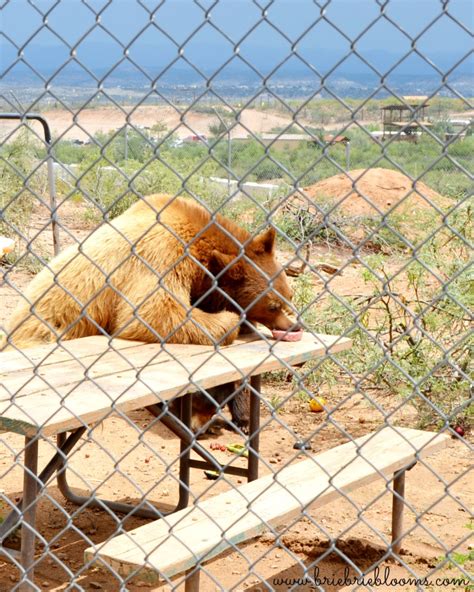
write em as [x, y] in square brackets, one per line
[106, 61]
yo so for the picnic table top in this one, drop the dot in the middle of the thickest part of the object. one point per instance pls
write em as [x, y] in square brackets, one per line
[55, 388]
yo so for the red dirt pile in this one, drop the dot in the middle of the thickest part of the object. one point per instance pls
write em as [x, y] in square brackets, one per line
[384, 188]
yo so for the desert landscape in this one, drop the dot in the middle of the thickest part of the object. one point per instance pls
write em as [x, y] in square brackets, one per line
[285, 417]
[377, 251]
[267, 213]
[181, 121]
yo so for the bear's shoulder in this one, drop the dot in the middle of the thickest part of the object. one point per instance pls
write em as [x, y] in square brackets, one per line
[168, 206]
[190, 217]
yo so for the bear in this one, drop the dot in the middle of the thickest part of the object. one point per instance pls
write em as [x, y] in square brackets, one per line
[234, 395]
[165, 270]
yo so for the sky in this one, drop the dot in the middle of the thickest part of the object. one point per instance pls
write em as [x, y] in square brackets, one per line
[155, 30]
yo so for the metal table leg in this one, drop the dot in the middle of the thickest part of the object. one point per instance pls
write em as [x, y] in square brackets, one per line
[182, 429]
[254, 427]
[150, 511]
[14, 517]
[186, 409]
[28, 527]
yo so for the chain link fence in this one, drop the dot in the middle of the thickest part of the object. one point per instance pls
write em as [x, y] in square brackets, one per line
[313, 182]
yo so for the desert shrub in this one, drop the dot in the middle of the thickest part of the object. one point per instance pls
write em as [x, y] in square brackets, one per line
[411, 334]
[18, 162]
[303, 225]
[65, 151]
[112, 188]
[454, 183]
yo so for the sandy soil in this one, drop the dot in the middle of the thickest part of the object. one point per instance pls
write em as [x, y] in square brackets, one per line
[132, 466]
[382, 190]
[183, 123]
[142, 464]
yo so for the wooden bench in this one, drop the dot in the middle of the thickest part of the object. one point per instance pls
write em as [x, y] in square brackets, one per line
[182, 542]
[61, 390]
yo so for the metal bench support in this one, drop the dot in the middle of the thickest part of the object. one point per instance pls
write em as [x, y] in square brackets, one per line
[182, 429]
[398, 505]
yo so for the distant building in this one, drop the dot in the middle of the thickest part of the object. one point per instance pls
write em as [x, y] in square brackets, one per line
[458, 129]
[328, 139]
[293, 141]
[407, 120]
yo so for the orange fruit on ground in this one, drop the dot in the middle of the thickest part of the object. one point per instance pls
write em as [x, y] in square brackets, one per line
[317, 404]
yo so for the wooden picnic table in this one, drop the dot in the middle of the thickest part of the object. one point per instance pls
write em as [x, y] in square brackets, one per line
[61, 389]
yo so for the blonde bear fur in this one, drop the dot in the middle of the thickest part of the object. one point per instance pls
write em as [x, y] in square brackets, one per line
[143, 276]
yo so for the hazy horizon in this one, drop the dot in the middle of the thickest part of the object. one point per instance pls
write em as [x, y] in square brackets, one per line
[171, 27]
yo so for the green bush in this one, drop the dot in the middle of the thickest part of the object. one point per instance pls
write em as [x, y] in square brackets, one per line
[411, 335]
[17, 163]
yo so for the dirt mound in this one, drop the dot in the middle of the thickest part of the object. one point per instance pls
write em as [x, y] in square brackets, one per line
[382, 188]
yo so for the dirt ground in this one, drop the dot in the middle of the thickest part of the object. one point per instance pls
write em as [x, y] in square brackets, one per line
[439, 490]
[89, 122]
[382, 190]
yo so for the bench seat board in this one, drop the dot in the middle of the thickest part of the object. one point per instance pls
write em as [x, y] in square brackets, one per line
[176, 543]
[70, 394]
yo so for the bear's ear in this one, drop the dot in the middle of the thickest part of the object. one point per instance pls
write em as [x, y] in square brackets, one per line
[219, 261]
[265, 241]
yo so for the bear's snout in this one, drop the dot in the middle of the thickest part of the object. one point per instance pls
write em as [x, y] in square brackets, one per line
[284, 323]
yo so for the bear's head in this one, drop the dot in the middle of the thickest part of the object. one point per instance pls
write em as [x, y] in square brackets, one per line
[257, 283]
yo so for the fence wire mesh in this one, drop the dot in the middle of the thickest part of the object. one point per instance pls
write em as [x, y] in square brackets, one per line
[217, 181]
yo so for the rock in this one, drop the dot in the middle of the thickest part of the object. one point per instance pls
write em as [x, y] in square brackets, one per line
[301, 445]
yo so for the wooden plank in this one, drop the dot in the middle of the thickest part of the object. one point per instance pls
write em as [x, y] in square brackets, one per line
[53, 411]
[52, 353]
[176, 543]
[85, 347]
[94, 359]
[106, 363]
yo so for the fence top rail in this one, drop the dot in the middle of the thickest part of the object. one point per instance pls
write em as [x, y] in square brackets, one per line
[84, 384]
